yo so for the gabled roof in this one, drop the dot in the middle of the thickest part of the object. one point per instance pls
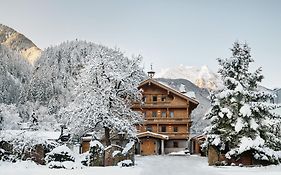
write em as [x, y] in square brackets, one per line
[151, 80]
[199, 137]
[152, 134]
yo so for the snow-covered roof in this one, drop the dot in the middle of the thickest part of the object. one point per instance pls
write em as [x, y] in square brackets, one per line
[172, 89]
[198, 137]
[153, 134]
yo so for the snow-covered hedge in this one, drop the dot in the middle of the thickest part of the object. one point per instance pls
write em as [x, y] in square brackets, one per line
[60, 157]
[19, 144]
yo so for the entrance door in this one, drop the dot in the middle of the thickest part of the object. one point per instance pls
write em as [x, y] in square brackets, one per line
[148, 147]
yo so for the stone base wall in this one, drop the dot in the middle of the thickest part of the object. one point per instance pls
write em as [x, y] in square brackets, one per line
[216, 158]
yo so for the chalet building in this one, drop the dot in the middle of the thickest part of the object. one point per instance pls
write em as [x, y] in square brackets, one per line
[167, 119]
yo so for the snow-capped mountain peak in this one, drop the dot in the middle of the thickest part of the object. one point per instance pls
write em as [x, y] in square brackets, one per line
[18, 43]
[203, 77]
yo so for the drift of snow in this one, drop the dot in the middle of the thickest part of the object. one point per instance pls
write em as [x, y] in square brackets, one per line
[179, 153]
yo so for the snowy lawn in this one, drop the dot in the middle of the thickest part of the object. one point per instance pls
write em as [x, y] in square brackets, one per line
[149, 165]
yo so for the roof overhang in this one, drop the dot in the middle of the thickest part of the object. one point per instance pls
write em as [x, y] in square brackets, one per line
[149, 81]
[152, 134]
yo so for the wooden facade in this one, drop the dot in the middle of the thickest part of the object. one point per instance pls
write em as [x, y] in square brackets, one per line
[167, 120]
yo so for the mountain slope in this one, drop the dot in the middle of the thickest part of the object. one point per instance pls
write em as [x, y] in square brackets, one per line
[201, 95]
[15, 74]
[19, 43]
[202, 77]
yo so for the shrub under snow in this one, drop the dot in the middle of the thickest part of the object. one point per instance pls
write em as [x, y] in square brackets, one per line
[60, 157]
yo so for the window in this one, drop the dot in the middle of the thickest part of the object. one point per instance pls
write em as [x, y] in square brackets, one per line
[175, 144]
[149, 128]
[175, 129]
[163, 98]
[154, 98]
[163, 114]
[154, 114]
[163, 128]
[172, 114]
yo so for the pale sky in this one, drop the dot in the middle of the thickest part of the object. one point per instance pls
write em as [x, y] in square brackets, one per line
[166, 33]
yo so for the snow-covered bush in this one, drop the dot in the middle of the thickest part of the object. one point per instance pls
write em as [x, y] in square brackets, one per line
[60, 157]
[5, 155]
[125, 163]
[96, 154]
[19, 143]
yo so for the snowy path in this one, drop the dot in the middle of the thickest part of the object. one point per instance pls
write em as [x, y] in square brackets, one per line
[149, 165]
[195, 165]
[169, 165]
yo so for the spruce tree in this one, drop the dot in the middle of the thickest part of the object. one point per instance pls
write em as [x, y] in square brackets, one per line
[241, 116]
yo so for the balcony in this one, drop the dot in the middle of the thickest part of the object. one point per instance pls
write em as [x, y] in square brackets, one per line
[167, 120]
[158, 105]
[176, 135]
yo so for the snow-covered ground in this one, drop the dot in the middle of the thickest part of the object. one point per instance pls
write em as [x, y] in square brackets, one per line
[149, 165]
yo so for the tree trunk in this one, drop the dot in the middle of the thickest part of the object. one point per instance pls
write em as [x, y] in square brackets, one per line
[107, 136]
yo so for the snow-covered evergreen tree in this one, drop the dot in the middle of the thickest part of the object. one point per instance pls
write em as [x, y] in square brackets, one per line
[9, 117]
[106, 89]
[241, 117]
[55, 73]
[15, 74]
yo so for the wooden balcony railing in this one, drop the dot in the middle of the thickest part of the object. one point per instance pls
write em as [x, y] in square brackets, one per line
[158, 105]
[166, 121]
[176, 135]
